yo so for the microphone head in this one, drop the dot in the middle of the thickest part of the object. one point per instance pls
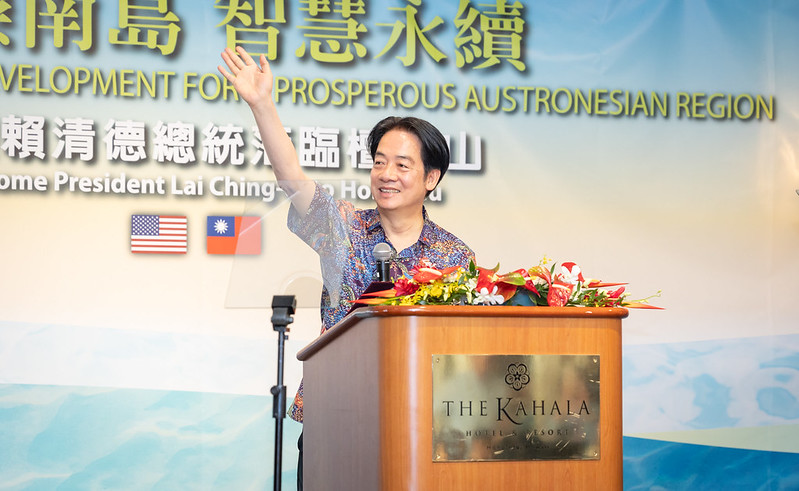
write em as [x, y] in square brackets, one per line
[382, 252]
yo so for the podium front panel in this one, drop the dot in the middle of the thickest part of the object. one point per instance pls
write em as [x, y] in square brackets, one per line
[368, 396]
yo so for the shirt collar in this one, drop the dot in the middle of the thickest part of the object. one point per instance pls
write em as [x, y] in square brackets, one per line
[427, 229]
[372, 220]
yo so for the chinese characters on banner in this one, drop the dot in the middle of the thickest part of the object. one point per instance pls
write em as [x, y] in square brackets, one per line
[332, 31]
[23, 137]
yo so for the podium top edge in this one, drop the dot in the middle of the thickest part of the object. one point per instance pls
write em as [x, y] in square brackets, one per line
[458, 311]
[487, 311]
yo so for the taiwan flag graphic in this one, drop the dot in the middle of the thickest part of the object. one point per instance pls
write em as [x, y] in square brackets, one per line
[234, 235]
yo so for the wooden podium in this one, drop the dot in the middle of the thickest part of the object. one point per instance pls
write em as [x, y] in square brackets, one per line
[368, 396]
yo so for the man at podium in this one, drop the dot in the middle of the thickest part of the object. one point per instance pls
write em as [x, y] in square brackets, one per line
[410, 156]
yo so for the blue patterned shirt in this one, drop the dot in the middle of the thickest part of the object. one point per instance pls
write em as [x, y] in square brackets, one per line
[344, 237]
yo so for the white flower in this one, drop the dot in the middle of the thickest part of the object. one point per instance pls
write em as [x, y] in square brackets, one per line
[488, 298]
[571, 276]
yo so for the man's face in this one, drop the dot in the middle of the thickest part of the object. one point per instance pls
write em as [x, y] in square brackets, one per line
[397, 178]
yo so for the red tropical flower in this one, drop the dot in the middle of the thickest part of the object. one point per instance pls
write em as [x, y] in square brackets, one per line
[426, 275]
[423, 263]
[486, 278]
[559, 294]
[541, 272]
[601, 284]
[514, 277]
[615, 296]
[404, 286]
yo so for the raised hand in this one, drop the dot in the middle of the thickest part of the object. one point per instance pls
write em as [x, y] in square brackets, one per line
[251, 81]
[254, 82]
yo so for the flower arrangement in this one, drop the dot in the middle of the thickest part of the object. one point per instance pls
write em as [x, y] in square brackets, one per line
[542, 285]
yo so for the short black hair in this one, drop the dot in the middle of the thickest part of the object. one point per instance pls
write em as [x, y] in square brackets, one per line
[435, 151]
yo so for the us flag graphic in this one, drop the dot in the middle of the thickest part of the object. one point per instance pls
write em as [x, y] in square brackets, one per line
[158, 234]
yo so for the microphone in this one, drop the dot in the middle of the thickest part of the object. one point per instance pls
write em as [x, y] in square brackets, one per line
[382, 255]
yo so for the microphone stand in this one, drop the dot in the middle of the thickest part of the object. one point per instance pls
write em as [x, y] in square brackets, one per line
[283, 307]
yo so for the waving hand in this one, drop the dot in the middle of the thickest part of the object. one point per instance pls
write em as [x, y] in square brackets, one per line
[252, 81]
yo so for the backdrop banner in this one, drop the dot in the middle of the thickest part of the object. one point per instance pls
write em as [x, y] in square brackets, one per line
[144, 235]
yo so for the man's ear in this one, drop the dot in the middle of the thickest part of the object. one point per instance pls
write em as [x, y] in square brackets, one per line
[431, 179]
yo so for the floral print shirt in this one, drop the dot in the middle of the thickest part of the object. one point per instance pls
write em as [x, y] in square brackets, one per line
[344, 237]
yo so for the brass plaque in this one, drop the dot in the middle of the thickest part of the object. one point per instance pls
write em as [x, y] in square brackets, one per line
[515, 407]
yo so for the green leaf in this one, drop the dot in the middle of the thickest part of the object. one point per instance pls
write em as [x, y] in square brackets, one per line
[514, 278]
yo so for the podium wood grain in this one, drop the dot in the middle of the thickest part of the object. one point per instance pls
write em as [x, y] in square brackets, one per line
[368, 396]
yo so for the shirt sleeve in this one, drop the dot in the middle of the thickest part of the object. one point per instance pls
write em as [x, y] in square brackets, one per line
[324, 227]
